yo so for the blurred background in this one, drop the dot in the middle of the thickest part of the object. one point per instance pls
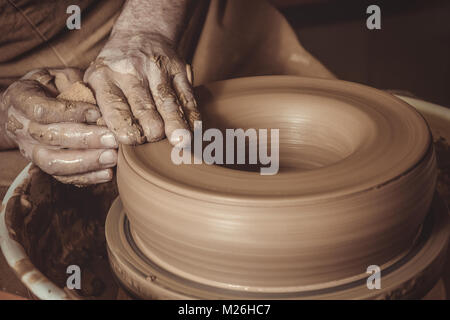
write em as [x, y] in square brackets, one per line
[410, 53]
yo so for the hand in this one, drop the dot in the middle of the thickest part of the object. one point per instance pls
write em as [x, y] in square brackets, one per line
[59, 136]
[142, 88]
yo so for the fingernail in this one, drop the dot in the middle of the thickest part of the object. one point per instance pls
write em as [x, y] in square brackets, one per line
[108, 140]
[181, 138]
[104, 175]
[107, 157]
[92, 115]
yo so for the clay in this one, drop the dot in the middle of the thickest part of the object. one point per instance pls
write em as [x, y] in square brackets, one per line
[78, 92]
[13, 124]
[357, 176]
[61, 225]
[64, 78]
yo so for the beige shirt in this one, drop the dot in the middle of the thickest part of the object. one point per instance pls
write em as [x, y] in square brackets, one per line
[34, 34]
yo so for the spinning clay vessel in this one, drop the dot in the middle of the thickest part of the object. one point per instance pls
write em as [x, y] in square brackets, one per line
[356, 181]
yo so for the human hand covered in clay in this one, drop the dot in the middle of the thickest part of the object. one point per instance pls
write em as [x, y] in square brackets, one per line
[57, 131]
[140, 83]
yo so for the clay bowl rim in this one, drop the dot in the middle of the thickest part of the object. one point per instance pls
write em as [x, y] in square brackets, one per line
[218, 195]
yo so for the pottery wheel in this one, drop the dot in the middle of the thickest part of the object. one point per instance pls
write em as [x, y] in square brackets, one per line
[409, 278]
[356, 181]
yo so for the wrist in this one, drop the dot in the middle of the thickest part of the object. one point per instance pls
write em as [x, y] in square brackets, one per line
[138, 38]
[147, 31]
[165, 18]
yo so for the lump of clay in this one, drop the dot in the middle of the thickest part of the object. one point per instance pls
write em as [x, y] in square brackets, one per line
[77, 92]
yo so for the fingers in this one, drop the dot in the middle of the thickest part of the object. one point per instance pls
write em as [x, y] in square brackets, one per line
[186, 98]
[62, 162]
[89, 178]
[72, 135]
[29, 97]
[143, 108]
[87, 163]
[44, 78]
[114, 107]
[189, 74]
[56, 80]
[85, 166]
[63, 135]
[166, 101]
[136, 113]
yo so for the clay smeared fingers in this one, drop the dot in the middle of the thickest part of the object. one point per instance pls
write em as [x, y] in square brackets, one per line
[68, 162]
[17, 124]
[115, 109]
[166, 102]
[44, 78]
[72, 135]
[143, 108]
[88, 178]
[29, 97]
[186, 98]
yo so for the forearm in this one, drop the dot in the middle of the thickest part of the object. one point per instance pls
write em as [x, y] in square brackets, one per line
[160, 17]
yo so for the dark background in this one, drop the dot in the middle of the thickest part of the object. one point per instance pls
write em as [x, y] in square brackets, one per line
[411, 52]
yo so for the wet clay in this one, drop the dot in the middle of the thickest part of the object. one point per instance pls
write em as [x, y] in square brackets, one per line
[13, 124]
[60, 225]
[78, 92]
[357, 176]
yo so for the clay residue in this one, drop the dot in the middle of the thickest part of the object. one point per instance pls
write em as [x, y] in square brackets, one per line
[22, 267]
[79, 92]
[36, 132]
[161, 61]
[13, 124]
[25, 267]
[165, 92]
[63, 226]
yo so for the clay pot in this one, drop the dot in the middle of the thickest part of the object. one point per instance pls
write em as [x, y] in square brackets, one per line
[357, 176]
